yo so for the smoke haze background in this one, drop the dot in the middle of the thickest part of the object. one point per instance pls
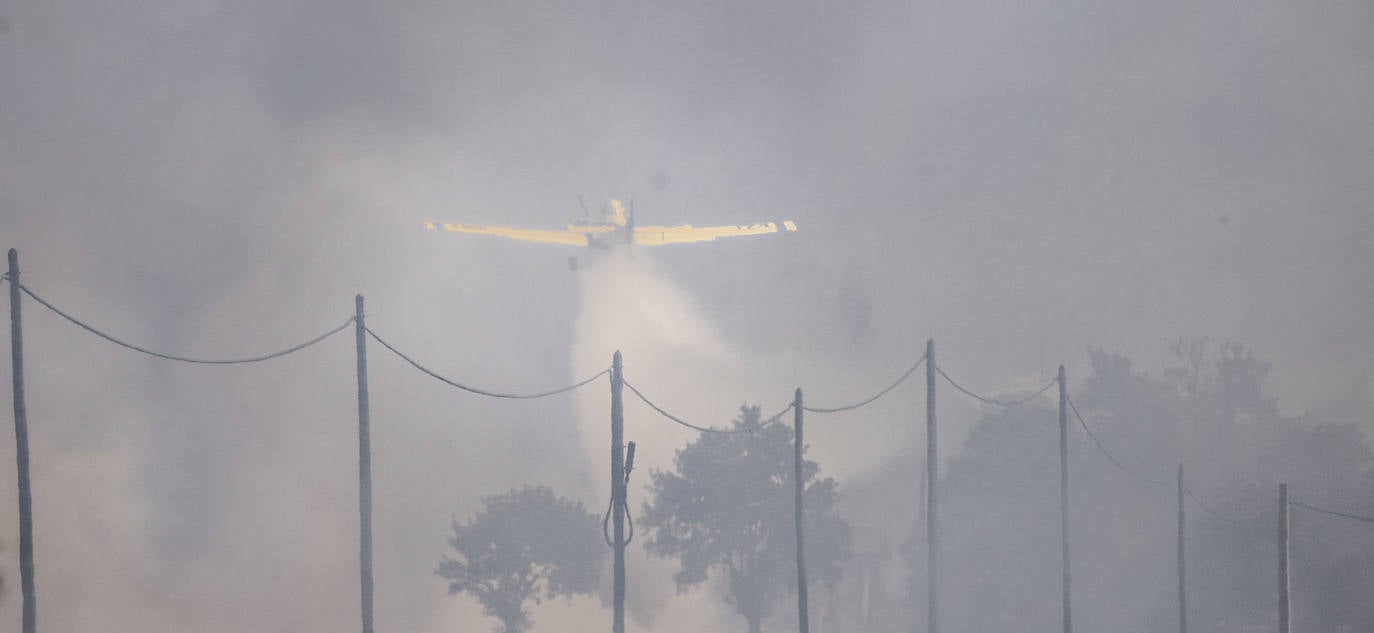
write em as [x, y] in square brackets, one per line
[1016, 180]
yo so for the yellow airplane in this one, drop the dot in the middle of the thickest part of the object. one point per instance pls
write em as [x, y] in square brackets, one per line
[616, 227]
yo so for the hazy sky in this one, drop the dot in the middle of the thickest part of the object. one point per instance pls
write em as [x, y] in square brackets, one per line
[1017, 180]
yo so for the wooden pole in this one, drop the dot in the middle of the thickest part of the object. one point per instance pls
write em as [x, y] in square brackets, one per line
[364, 470]
[1182, 593]
[932, 470]
[618, 490]
[21, 446]
[1064, 497]
[799, 485]
[1285, 614]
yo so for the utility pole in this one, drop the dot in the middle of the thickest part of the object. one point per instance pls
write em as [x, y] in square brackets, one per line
[618, 490]
[364, 470]
[1064, 495]
[1285, 613]
[932, 470]
[1182, 593]
[797, 446]
[21, 446]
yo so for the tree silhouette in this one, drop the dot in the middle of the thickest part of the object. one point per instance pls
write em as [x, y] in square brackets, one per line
[525, 545]
[728, 506]
[1209, 409]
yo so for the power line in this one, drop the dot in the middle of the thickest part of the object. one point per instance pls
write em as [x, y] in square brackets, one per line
[606, 521]
[1108, 453]
[483, 392]
[774, 418]
[1003, 403]
[1332, 512]
[703, 429]
[1192, 495]
[850, 407]
[183, 359]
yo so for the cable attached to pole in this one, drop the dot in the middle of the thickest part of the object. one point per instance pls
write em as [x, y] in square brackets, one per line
[1332, 512]
[629, 520]
[483, 392]
[1192, 495]
[851, 407]
[1001, 403]
[774, 418]
[679, 420]
[1104, 450]
[182, 359]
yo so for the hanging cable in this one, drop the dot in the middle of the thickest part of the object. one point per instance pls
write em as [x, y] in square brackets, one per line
[1104, 450]
[1003, 403]
[850, 407]
[483, 392]
[1332, 512]
[1192, 495]
[774, 418]
[606, 521]
[183, 359]
[629, 520]
[678, 420]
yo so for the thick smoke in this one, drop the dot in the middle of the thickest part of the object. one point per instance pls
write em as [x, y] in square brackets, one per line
[1017, 180]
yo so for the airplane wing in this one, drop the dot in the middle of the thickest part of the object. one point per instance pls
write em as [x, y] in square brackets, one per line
[570, 237]
[686, 233]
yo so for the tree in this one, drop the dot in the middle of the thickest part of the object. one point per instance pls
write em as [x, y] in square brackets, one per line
[1209, 409]
[728, 507]
[525, 545]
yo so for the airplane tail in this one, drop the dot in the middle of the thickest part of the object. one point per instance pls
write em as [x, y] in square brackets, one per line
[617, 214]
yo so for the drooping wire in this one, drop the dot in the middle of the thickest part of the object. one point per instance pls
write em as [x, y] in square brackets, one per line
[1192, 495]
[687, 424]
[774, 418]
[1108, 453]
[483, 392]
[606, 519]
[1003, 403]
[850, 407]
[198, 361]
[1332, 512]
[629, 457]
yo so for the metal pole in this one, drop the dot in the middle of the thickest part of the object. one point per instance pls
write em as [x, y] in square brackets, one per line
[21, 446]
[618, 490]
[364, 470]
[799, 485]
[1064, 496]
[932, 479]
[1182, 593]
[1285, 613]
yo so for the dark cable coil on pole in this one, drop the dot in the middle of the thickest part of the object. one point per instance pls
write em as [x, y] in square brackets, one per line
[629, 519]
